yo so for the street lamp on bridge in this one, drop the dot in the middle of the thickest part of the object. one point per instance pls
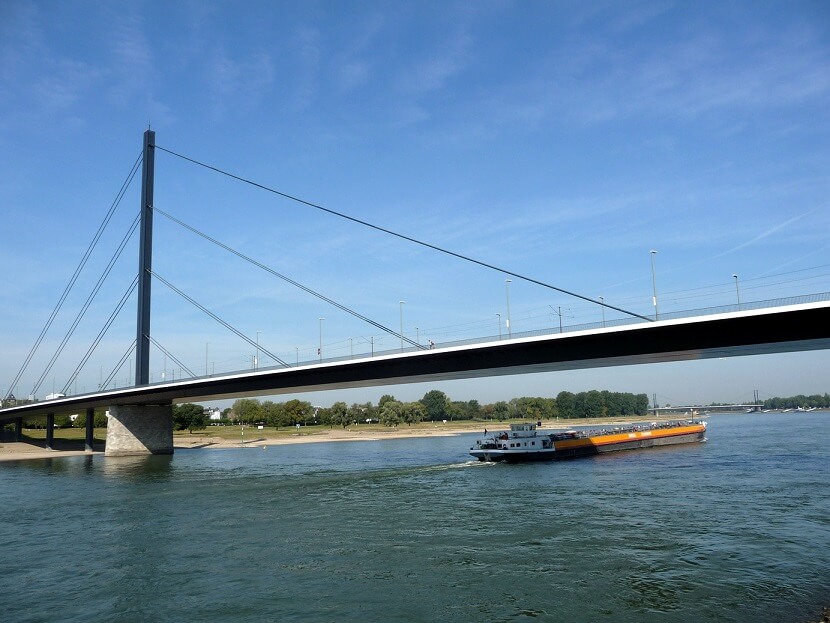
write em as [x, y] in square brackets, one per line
[256, 360]
[602, 306]
[320, 347]
[400, 305]
[654, 284]
[737, 291]
[507, 296]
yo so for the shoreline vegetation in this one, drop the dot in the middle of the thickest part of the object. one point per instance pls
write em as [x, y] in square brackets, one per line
[251, 423]
[70, 441]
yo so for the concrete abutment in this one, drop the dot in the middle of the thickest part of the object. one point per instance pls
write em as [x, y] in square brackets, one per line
[139, 429]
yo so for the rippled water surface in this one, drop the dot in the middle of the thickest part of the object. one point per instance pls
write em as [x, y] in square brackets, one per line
[734, 529]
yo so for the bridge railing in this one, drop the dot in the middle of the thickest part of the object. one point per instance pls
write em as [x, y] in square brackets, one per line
[589, 326]
[616, 322]
[619, 322]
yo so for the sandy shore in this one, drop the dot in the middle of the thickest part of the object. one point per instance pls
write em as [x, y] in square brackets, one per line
[15, 451]
[206, 441]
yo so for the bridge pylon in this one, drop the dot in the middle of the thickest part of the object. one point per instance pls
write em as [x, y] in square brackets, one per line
[145, 262]
[145, 428]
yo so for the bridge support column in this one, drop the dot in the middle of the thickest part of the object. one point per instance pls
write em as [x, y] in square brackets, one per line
[50, 430]
[90, 429]
[18, 429]
[140, 429]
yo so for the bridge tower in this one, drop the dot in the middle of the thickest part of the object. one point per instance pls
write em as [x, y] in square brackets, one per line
[145, 262]
[142, 429]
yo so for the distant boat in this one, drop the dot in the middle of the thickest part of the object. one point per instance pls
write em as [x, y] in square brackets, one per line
[523, 442]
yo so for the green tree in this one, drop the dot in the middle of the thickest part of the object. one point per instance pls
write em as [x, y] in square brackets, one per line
[384, 399]
[391, 414]
[593, 406]
[273, 413]
[188, 416]
[299, 411]
[474, 410]
[501, 410]
[437, 405]
[566, 404]
[413, 412]
[339, 414]
[246, 411]
[99, 420]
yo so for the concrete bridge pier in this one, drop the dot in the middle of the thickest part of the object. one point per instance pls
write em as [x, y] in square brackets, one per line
[90, 429]
[50, 431]
[18, 428]
[139, 429]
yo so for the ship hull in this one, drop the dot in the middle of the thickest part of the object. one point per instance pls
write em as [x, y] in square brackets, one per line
[592, 446]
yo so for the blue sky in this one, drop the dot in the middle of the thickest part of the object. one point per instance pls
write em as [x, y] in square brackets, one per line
[559, 140]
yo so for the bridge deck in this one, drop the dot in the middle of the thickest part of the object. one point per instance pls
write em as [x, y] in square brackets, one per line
[773, 330]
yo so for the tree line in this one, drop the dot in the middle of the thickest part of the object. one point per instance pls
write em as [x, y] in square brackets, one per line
[815, 401]
[436, 406]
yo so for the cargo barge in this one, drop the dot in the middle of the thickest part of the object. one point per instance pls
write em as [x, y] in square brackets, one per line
[524, 442]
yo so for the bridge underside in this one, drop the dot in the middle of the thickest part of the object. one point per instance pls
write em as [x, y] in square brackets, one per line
[776, 330]
[732, 335]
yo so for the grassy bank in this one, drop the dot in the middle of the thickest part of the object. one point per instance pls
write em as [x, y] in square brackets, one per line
[70, 437]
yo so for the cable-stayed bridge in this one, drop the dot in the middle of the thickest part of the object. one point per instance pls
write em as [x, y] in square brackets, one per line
[140, 415]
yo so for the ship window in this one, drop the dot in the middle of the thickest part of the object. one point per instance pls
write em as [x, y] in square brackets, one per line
[532, 443]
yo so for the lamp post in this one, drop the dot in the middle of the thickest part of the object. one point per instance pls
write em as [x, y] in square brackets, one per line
[206, 361]
[507, 296]
[371, 340]
[297, 355]
[320, 347]
[498, 317]
[256, 360]
[737, 291]
[654, 284]
[558, 312]
[400, 305]
[418, 335]
[602, 306]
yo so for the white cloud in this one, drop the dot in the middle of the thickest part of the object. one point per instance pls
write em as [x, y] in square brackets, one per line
[433, 73]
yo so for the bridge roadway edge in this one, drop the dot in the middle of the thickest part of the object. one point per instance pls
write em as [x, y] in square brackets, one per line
[777, 330]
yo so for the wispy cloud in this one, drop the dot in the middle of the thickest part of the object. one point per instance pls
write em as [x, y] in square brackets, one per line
[765, 234]
[598, 79]
[307, 50]
[433, 73]
[37, 85]
[240, 83]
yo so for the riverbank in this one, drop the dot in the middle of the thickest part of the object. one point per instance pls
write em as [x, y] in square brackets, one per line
[68, 442]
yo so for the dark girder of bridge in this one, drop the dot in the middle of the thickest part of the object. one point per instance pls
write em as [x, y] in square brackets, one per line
[773, 330]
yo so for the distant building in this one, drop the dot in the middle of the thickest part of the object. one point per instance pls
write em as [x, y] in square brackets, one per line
[212, 413]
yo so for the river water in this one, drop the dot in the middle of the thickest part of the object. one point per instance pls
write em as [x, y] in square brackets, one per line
[734, 529]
